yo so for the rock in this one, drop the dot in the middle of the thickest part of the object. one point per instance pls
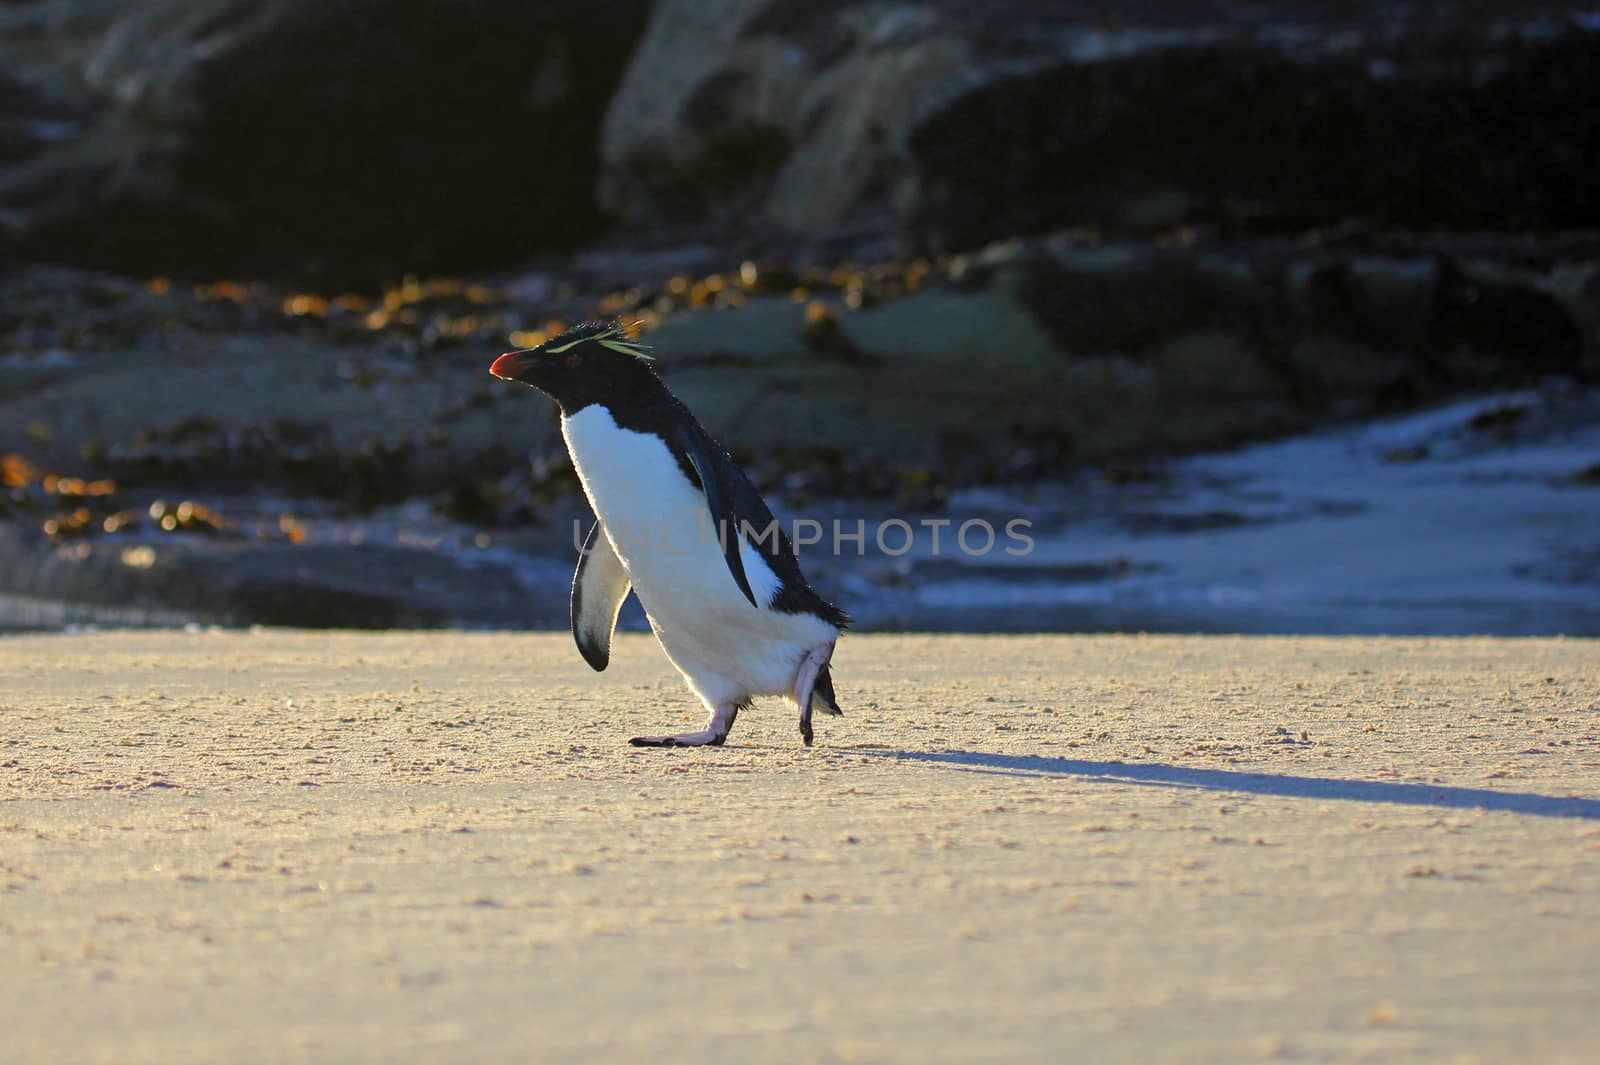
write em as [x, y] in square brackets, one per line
[771, 111]
[305, 585]
[1575, 286]
[352, 140]
[1065, 352]
[1430, 125]
[360, 140]
[684, 46]
[957, 123]
[1022, 360]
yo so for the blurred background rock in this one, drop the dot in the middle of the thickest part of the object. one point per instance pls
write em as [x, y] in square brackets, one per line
[256, 256]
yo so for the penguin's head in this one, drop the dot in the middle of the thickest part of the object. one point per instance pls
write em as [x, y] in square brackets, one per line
[588, 363]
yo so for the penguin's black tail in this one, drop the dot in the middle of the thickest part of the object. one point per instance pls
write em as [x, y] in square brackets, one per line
[822, 695]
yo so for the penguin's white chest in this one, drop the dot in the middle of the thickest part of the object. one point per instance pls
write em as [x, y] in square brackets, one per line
[658, 524]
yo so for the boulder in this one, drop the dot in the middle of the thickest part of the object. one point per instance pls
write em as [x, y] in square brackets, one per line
[784, 112]
[1072, 349]
[180, 580]
[1479, 128]
[350, 141]
[946, 124]
[1075, 351]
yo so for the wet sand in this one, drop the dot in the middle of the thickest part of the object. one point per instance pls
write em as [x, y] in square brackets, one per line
[438, 847]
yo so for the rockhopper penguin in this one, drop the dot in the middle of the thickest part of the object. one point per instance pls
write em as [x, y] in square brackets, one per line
[682, 527]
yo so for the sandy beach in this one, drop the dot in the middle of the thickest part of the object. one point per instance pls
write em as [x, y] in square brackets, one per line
[283, 846]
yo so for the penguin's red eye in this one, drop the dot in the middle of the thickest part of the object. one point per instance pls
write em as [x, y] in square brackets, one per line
[573, 361]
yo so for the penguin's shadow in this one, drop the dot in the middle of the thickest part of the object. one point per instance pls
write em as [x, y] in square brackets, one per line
[1155, 774]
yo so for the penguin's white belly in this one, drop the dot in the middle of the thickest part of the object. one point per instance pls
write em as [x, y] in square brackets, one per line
[658, 524]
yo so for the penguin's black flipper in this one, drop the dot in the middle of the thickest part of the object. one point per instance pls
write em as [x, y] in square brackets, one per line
[719, 488]
[599, 585]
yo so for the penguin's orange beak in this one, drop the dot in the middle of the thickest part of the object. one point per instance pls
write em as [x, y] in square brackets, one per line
[511, 364]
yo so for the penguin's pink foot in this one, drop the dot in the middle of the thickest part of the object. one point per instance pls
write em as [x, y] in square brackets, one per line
[713, 735]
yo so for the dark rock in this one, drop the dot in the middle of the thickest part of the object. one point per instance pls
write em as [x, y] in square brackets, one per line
[1500, 422]
[1128, 300]
[304, 585]
[1027, 360]
[972, 122]
[824, 339]
[1477, 127]
[1485, 325]
[1036, 357]
[350, 140]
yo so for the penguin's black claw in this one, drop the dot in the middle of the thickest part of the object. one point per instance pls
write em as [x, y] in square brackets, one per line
[805, 734]
[687, 740]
